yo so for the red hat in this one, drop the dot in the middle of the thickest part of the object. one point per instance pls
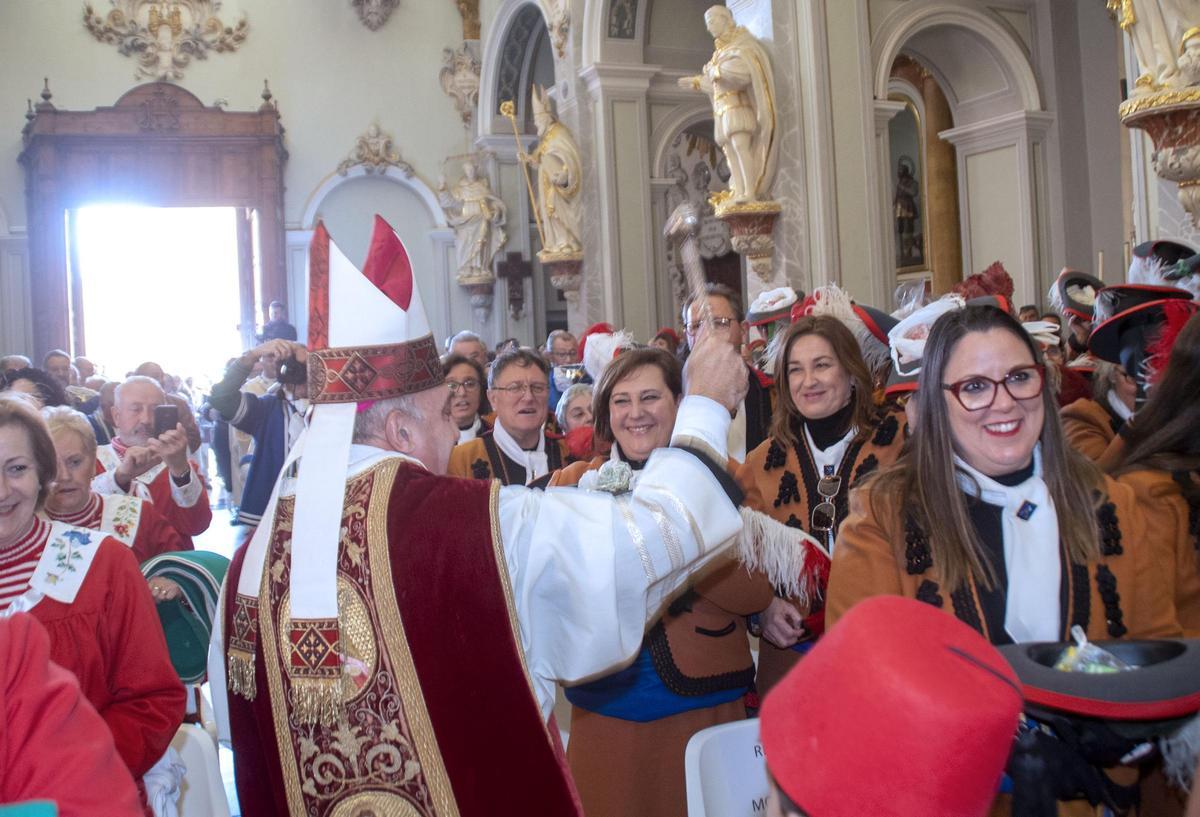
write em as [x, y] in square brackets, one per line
[994, 280]
[594, 329]
[900, 709]
[670, 334]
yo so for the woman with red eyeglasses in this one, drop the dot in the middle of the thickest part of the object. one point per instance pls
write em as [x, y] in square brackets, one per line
[992, 517]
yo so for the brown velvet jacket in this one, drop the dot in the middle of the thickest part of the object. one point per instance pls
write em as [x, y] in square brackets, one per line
[1122, 593]
[1088, 427]
[1177, 535]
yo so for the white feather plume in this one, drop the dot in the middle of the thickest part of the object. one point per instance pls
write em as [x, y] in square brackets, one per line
[602, 348]
[789, 556]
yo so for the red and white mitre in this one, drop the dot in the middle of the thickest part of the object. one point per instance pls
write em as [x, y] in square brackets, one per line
[368, 340]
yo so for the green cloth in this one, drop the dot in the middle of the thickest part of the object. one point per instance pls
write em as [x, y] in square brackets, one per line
[188, 626]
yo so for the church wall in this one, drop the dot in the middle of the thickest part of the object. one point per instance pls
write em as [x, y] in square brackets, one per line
[331, 78]
[994, 205]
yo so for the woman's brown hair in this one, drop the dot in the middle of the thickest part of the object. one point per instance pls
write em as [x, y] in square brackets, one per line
[19, 410]
[924, 481]
[621, 367]
[787, 418]
[462, 360]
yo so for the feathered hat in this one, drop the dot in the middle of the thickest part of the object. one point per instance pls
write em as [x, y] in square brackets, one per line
[1136, 325]
[994, 280]
[1073, 294]
[869, 326]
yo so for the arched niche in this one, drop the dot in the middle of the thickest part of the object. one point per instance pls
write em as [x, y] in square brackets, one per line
[516, 54]
[996, 126]
[347, 206]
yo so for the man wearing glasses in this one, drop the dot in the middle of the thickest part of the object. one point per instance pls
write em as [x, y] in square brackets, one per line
[561, 350]
[518, 450]
[752, 420]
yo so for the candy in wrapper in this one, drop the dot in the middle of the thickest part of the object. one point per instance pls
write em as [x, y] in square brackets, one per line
[1083, 656]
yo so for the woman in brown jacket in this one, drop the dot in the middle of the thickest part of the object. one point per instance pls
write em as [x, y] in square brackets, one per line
[991, 517]
[826, 436]
[629, 730]
[1162, 466]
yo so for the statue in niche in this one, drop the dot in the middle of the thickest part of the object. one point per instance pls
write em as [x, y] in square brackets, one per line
[907, 210]
[559, 173]
[477, 216]
[738, 78]
[1165, 39]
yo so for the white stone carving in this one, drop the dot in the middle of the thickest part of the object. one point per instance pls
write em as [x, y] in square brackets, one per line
[1166, 39]
[477, 216]
[374, 13]
[460, 80]
[164, 36]
[558, 15]
[741, 85]
[375, 153]
[560, 172]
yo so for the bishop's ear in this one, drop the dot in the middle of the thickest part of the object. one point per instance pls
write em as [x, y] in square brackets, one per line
[399, 429]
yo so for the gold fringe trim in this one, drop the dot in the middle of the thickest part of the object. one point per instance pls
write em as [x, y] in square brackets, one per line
[317, 701]
[240, 668]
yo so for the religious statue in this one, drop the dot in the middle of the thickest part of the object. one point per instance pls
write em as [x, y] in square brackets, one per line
[906, 212]
[477, 216]
[1166, 39]
[560, 171]
[742, 87]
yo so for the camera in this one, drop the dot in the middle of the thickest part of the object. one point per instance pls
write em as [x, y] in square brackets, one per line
[292, 372]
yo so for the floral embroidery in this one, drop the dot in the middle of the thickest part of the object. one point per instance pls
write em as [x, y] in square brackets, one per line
[776, 456]
[866, 467]
[480, 470]
[1110, 530]
[789, 490]
[917, 557]
[930, 593]
[1106, 582]
[886, 432]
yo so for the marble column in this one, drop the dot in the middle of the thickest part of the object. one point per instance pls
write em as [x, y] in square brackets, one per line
[941, 193]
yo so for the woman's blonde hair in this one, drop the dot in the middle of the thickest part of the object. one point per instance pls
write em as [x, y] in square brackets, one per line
[924, 481]
[65, 418]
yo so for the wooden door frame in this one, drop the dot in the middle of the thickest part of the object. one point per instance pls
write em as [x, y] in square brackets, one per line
[160, 146]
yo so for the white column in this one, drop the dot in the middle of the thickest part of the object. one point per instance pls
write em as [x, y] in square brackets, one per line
[1002, 198]
[621, 140]
[880, 233]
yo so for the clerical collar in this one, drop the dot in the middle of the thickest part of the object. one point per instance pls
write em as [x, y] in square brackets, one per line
[829, 430]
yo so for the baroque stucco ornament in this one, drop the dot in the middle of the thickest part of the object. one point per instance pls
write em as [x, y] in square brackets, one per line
[375, 153]
[164, 36]
[374, 13]
[459, 78]
[558, 15]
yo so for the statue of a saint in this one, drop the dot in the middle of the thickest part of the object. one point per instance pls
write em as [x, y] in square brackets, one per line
[742, 87]
[477, 216]
[560, 172]
[1165, 39]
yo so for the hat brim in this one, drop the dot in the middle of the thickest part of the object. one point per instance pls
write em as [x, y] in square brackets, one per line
[1165, 686]
[1105, 339]
[770, 316]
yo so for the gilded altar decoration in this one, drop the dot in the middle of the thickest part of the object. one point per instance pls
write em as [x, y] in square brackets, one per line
[374, 13]
[163, 36]
[1165, 101]
[558, 21]
[477, 216]
[741, 85]
[375, 153]
[459, 78]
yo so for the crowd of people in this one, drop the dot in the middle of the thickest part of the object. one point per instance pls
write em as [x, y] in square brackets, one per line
[670, 535]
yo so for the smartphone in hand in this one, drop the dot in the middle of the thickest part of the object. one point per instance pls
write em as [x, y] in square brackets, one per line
[166, 417]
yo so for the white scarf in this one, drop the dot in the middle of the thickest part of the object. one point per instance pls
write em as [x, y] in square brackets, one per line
[470, 432]
[1118, 406]
[535, 462]
[1031, 549]
[829, 459]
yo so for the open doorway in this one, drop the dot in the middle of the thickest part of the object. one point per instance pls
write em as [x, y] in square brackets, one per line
[157, 283]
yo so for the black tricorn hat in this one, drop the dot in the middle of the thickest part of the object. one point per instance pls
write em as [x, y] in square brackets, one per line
[1123, 315]
[1168, 252]
[1075, 292]
[1165, 686]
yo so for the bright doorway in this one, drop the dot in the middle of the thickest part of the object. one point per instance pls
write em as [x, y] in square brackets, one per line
[161, 284]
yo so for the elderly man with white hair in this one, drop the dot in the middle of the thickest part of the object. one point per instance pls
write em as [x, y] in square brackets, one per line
[416, 624]
[153, 467]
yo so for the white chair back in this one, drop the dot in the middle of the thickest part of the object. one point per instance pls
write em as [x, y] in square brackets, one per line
[726, 772]
[202, 793]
